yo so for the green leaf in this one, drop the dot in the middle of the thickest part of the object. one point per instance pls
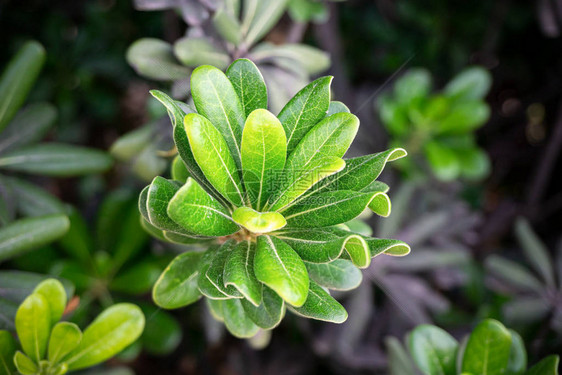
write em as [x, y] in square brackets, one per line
[215, 272]
[31, 233]
[34, 201]
[320, 305]
[416, 83]
[391, 247]
[517, 363]
[465, 117]
[239, 271]
[279, 267]
[55, 295]
[18, 79]
[259, 17]
[474, 163]
[472, 83]
[310, 59]
[216, 99]
[236, 320]
[304, 111]
[65, 337]
[227, 25]
[258, 222]
[56, 159]
[380, 204]
[8, 348]
[179, 171]
[78, 242]
[211, 153]
[162, 333]
[158, 197]
[336, 107]
[270, 311]
[33, 325]
[29, 126]
[130, 241]
[154, 59]
[295, 183]
[264, 149]
[131, 144]
[535, 251]
[137, 279]
[442, 161]
[513, 273]
[25, 365]
[434, 351]
[194, 51]
[547, 366]
[112, 331]
[215, 308]
[340, 274]
[196, 211]
[177, 285]
[248, 83]
[328, 208]
[487, 350]
[399, 361]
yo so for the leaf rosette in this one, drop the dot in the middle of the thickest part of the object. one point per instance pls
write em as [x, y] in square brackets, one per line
[267, 198]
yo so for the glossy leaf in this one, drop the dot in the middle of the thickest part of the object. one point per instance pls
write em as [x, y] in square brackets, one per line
[487, 350]
[179, 171]
[434, 351]
[154, 59]
[196, 211]
[340, 274]
[270, 311]
[112, 331]
[193, 51]
[279, 267]
[56, 159]
[158, 197]
[239, 271]
[320, 305]
[215, 272]
[236, 320]
[548, 366]
[31, 233]
[18, 79]
[177, 285]
[33, 325]
[24, 364]
[8, 348]
[258, 222]
[55, 295]
[304, 111]
[211, 153]
[65, 337]
[264, 149]
[216, 99]
[248, 83]
[513, 273]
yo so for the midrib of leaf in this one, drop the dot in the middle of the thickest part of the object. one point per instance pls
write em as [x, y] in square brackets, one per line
[262, 167]
[5, 365]
[318, 208]
[301, 113]
[315, 152]
[36, 335]
[227, 120]
[209, 208]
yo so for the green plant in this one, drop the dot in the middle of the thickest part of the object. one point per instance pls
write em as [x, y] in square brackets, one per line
[267, 197]
[439, 128]
[533, 296]
[490, 349]
[51, 347]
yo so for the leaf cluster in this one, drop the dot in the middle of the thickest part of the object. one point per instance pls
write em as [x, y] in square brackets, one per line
[268, 197]
[439, 127]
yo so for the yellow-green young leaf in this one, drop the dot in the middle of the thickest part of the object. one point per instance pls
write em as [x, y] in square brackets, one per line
[193, 51]
[8, 348]
[380, 204]
[304, 111]
[340, 274]
[330, 137]
[487, 350]
[264, 149]
[25, 365]
[179, 171]
[391, 247]
[236, 320]
[279, 267]
[65, 337]
[321, 306]
[31, 233]
[270, 311]
[434, 351]
[239, 271]
[33, 325]
[18, 78]
[248, 84]
[199, 213]
[472, 83]
[55, 295]
[548, 366]
[464, 118]
[215, 98]
[294, 183]
[213, 157]
[258, 222]
[215, 272]
[442, 161]
[159, 194]
[112, 331]
[177, 286]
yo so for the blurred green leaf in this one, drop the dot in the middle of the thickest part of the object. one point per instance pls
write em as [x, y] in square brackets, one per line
[162, 333]
[193, 52]
[442, 161]
[487, 350]
[177, 285]
[65, 337]
[535, 251]
[8, 348]
[434, 351]
[55, 295]
[548, 366]
[472, 83]
[259, 17]
[517, 363]
[154, 59]
[33, 325]
[236, 320]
